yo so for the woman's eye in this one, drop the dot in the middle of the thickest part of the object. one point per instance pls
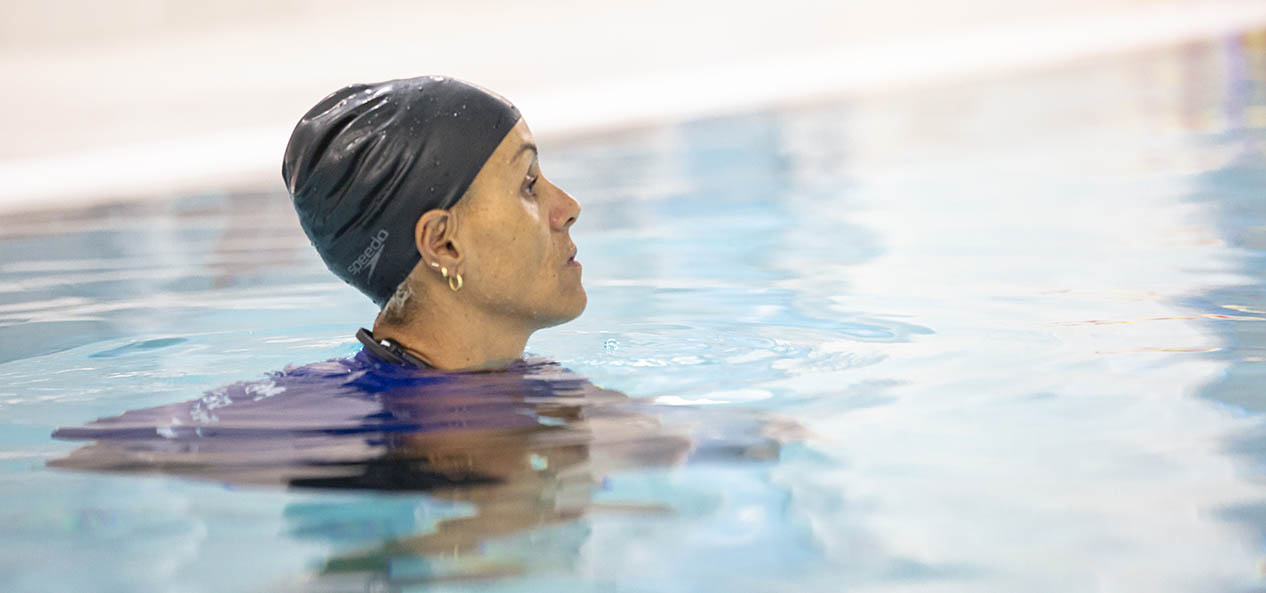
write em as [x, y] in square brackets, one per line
[531, 185]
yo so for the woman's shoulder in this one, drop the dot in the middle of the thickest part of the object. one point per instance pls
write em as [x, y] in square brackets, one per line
[319, 394]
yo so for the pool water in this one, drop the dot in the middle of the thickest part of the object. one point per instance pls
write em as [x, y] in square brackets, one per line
[1021, 320]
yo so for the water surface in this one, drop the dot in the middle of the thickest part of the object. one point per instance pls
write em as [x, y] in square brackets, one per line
[1022, 319]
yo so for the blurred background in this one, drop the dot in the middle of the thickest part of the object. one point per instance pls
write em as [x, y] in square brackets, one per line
[143, 98]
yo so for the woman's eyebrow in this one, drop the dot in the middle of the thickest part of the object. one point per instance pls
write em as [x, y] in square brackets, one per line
[523, 149]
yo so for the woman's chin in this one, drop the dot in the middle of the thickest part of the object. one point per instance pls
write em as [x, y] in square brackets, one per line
[571, 306]
[584, 301]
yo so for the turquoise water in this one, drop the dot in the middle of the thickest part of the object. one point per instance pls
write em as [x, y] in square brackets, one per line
[1022, 320]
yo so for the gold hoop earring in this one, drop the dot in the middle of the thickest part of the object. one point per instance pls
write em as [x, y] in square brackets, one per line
[457, 277]
[444, 272]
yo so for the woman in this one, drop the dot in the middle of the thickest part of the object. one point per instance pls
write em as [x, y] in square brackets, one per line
[426, 194]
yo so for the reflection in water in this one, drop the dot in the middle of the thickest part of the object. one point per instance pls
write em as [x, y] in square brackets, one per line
[72, 278]
[1240, 217]
[523, 448]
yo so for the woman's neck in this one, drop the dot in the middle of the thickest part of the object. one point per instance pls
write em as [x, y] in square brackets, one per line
[455, 340]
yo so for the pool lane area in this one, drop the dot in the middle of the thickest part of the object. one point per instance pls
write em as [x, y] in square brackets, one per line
[1014, 329]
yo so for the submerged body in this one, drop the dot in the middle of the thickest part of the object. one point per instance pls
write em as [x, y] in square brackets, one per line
[362, 422]
[527, 445]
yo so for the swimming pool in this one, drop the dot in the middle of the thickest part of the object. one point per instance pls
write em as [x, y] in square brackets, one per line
[1023, 318]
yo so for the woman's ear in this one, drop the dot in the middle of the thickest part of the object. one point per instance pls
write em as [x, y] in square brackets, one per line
[434, 235]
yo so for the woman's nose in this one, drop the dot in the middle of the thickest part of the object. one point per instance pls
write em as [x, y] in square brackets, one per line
[565, 211]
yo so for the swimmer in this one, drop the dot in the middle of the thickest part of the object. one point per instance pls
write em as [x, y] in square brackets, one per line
[426, 194]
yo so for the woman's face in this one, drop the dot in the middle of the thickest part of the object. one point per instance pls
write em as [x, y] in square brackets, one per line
[513, 227]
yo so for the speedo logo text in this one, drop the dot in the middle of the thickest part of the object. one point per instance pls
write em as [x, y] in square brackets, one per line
[369, 257]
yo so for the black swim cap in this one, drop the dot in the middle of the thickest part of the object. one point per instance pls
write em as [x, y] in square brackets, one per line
[368, 160]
